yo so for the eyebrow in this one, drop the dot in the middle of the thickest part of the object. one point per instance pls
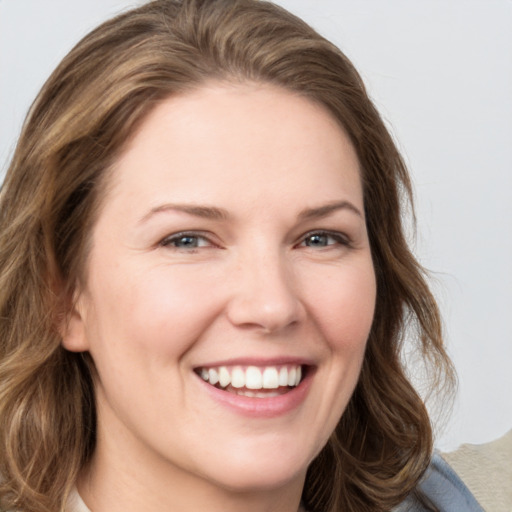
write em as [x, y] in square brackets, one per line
[215, 213]
[204, 212]
[325, 210]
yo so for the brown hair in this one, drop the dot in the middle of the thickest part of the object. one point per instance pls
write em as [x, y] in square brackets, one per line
[76, 128]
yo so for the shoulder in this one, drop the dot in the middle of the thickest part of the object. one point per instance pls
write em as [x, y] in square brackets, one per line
[474, 478]
[486, 469]
[442, 489]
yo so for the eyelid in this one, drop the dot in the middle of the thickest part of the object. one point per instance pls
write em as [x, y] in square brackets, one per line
[340, 237]
[169, 239]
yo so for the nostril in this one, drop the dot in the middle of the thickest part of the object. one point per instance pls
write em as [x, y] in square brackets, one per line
[264, 295]
[263, 313]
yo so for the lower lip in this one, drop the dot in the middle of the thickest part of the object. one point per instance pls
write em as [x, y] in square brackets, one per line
[261, 407]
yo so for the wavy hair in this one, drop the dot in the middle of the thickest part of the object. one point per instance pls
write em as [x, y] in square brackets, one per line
[75, 130]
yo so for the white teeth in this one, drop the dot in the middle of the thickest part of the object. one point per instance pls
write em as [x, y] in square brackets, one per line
[270, 378]
[224, 377]
[283, 376]
[253, 377]
[298, 375]
[238, 378]
[213, 376]
[291, 376]
[257, 394]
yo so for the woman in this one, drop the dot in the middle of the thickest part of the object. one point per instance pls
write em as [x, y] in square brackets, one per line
[205, 283]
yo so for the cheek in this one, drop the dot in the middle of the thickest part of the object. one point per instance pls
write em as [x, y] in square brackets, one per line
[344, 304]
[162, 308]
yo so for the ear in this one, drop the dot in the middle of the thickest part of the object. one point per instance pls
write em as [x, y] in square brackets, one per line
[73, 326]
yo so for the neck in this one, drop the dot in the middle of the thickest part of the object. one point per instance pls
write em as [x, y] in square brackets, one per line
[127, 475]
[131, 487]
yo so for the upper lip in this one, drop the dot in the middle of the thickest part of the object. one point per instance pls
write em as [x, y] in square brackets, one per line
[257, 361]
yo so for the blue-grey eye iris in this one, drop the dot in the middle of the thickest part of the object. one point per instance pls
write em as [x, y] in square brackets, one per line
[187, 241]
[317, 240]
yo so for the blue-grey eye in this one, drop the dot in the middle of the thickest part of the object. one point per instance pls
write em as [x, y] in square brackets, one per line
[185, 241]
[318, 240]
[324, 239]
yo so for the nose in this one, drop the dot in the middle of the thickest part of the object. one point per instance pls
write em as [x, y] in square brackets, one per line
[265, 295]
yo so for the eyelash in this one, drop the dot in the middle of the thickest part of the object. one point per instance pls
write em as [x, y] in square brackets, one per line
[339, 238]
[172, 241]
[177, 237]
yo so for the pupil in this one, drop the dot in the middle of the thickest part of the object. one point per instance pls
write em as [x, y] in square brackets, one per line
[187, 241]
[317, 240]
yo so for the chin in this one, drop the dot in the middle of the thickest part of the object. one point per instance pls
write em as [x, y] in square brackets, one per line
[248, 480]
[262, 470]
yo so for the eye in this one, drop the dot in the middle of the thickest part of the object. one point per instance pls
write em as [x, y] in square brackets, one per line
[320, 239]
[186, 241]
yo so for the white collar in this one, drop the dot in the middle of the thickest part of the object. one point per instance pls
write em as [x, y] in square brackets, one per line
[76, 503]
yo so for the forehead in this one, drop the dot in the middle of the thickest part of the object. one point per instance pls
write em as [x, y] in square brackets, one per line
[251, 137]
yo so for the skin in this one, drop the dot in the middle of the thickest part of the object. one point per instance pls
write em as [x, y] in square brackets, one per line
[258, 279]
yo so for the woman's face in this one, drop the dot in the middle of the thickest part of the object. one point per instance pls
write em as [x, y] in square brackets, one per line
[232, 246]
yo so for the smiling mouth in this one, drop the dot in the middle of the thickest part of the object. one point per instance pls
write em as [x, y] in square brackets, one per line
[254, 381]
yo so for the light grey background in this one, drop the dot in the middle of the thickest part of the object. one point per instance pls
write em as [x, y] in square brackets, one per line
[441, 74]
